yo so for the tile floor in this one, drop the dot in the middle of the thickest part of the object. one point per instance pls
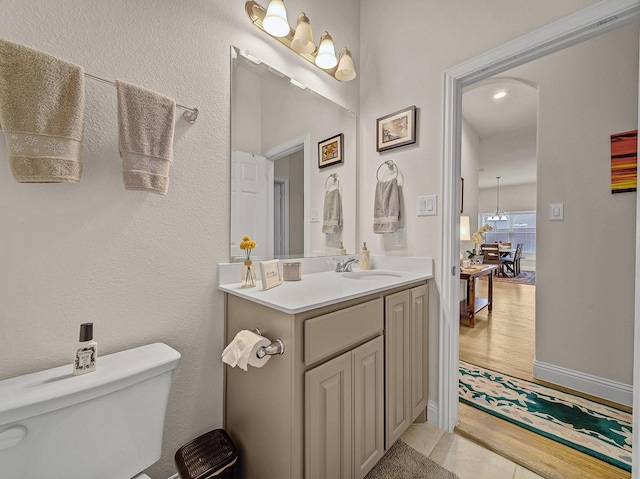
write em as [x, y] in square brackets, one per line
[462, 456]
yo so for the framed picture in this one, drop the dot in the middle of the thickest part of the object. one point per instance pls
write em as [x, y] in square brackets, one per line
[330, 151]
[396, 129]
[270, 273]
[624, 162]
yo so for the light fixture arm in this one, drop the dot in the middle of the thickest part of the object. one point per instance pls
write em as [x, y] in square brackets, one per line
[256, 14]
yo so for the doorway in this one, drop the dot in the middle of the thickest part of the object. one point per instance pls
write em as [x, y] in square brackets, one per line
[588, 23]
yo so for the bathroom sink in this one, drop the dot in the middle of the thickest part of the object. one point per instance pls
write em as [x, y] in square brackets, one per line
[371, 274]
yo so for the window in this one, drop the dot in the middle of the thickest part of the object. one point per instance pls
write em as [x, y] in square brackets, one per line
[519, 227]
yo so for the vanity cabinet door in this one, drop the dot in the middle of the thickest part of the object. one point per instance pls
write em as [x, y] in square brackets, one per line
[398, 365]
[368, 406]
[344, 410]
[328, 419]
[419, 300]
[406, 335]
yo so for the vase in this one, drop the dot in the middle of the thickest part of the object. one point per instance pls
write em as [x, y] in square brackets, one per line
[248, 274]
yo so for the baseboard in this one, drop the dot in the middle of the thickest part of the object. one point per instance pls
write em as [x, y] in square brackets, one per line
[432, 413]
[595, 386]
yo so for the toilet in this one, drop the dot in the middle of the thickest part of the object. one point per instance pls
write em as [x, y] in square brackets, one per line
[106, 424]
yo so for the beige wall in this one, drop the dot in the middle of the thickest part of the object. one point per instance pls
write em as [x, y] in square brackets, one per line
[142, 267]
[584, 301]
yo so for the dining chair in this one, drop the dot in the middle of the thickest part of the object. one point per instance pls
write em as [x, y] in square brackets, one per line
[491, 252]
[511, 264]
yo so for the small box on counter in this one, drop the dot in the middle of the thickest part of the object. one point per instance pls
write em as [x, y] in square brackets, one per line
[292, 271]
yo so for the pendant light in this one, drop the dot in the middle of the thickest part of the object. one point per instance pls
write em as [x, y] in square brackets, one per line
[498, 216]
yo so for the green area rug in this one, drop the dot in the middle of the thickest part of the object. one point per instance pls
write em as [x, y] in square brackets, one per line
[595, 429]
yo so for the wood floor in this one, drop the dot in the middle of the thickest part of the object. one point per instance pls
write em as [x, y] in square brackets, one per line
[504, 341]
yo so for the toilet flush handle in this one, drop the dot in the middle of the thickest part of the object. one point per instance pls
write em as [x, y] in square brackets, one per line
[12, 436]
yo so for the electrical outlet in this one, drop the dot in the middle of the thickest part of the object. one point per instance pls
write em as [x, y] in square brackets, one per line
[401, 237]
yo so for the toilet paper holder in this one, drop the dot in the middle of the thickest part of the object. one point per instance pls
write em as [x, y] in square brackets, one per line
[276, 347]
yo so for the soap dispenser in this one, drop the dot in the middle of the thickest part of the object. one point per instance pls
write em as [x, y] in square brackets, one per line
[341, 249]
[86, 354]
[364, 257]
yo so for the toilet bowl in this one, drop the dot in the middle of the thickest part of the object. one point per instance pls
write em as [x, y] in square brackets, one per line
[103, 425]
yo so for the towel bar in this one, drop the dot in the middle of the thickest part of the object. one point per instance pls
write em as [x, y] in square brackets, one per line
[190, 114]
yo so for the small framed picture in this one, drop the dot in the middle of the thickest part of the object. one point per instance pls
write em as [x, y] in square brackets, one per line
[270, 273]
[330, 151]
[396, 129]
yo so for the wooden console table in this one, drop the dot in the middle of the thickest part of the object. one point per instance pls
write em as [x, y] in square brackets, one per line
[470, 306]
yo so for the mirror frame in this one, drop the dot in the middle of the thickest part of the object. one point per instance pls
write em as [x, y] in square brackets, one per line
[583, 25]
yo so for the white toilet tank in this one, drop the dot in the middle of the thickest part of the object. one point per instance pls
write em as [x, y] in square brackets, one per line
[102, 425]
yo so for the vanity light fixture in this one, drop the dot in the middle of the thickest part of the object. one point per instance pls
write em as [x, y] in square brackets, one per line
[326, 56]
[346, 70]
[275, 21]
[301, 40]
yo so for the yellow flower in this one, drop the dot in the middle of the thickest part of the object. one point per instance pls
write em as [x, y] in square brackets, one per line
[247, 245]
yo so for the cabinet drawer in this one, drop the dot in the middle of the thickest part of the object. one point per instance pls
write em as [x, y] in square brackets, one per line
[335, 332]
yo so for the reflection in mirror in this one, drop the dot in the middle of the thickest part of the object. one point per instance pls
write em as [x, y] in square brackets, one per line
[277, 186]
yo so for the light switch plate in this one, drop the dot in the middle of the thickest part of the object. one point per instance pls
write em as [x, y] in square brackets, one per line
[315, 215]
[427, 205]
[556, 211]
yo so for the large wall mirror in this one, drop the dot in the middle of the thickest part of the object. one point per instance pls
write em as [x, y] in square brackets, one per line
[278, 186]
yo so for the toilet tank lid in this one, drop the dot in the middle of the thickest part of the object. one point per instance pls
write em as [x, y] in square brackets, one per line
[56, 388]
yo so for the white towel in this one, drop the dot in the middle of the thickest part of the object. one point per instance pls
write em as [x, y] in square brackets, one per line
[386, 209]
[42, 114]
[332, 215]
[145, 137]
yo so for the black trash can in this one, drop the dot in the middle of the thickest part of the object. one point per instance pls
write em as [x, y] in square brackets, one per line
[211, 455]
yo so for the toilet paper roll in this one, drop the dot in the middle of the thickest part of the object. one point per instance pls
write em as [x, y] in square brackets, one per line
[242, 351]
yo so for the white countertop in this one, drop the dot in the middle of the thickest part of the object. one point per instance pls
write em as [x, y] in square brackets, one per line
[324, 288]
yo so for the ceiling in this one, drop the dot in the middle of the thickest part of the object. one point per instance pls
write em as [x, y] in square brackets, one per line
[506, 128]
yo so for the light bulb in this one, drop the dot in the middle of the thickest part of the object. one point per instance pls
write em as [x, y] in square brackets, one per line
[303, 39]
[326, 57]
[275, 21]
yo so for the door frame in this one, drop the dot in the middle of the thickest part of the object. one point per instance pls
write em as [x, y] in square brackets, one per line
[590, 22]
[284, 212]
[302, 142]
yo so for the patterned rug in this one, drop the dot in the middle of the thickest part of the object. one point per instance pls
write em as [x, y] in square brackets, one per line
[525, 277]
[595, 429]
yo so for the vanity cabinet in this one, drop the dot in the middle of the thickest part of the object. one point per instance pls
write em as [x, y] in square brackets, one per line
[319, 410]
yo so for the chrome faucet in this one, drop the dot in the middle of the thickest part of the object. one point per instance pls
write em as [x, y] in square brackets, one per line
[346, 266]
